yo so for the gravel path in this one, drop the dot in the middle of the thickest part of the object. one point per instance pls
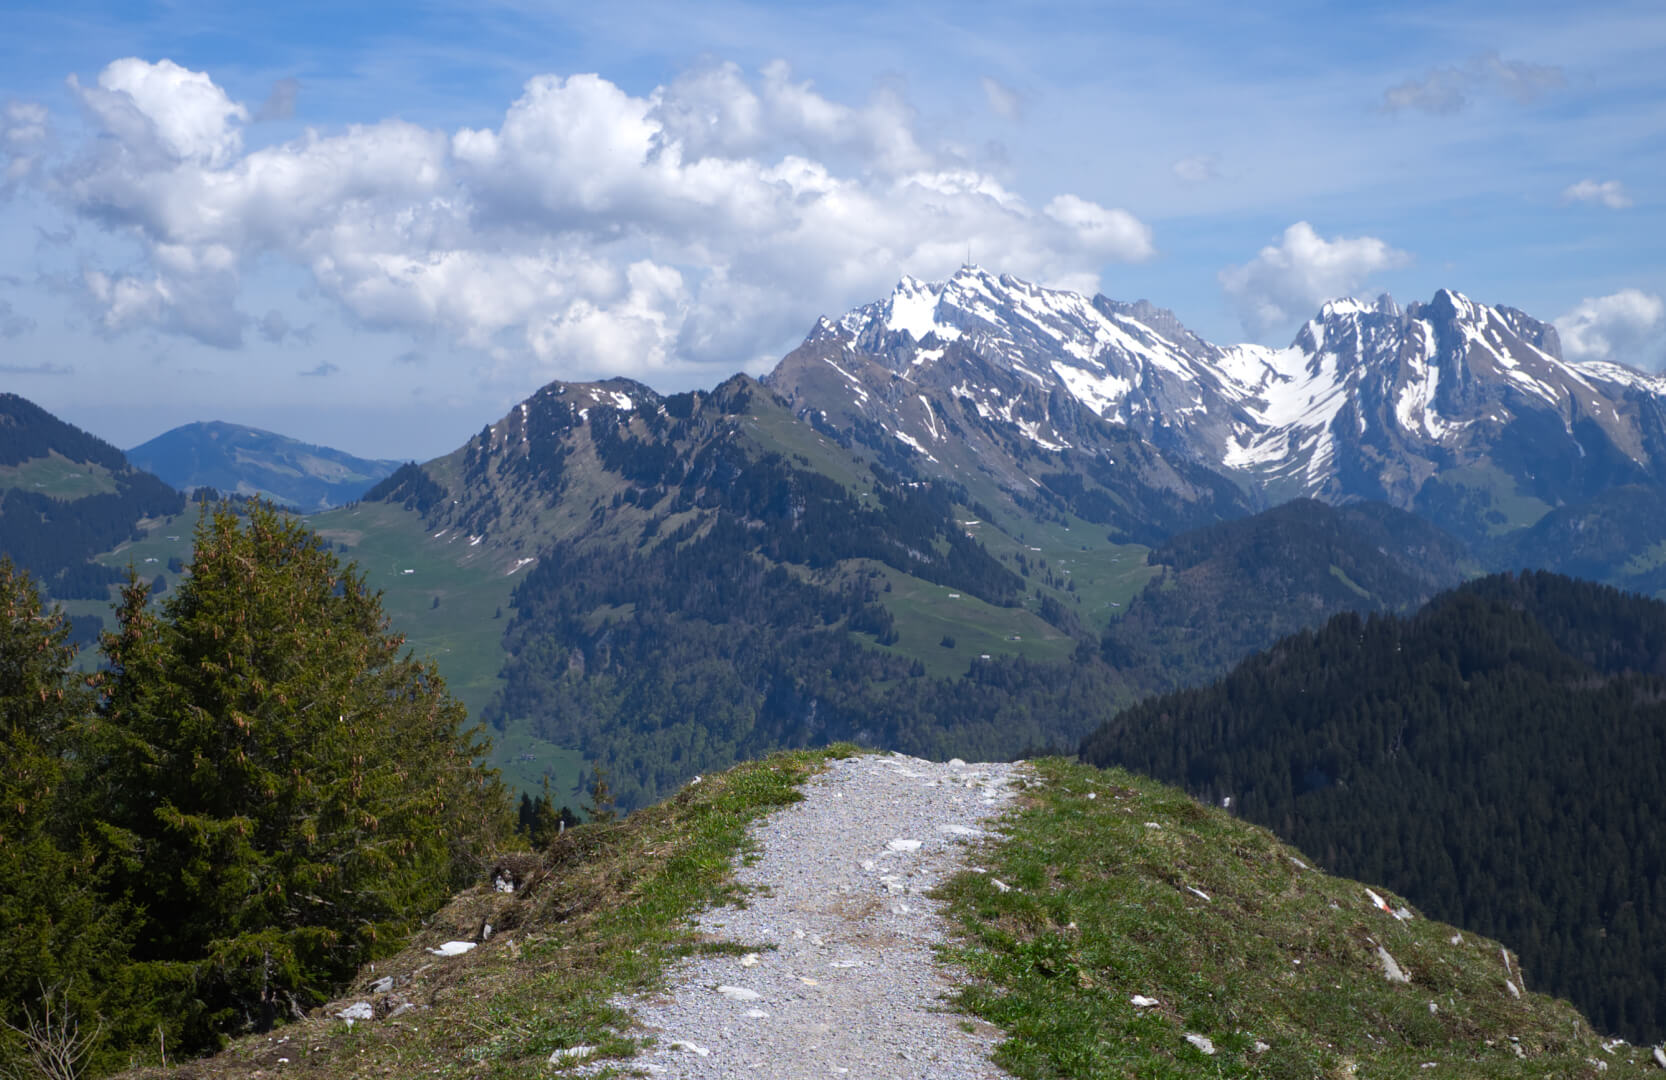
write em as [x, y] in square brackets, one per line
[844, 980]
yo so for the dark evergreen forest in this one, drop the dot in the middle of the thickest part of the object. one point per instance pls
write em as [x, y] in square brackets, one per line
[258, 792]
[1499, 757]
[55, 539]
[1237, 586]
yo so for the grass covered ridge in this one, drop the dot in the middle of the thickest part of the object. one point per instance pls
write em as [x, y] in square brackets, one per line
[600, 914]
[1278, 967]
[1101, 865]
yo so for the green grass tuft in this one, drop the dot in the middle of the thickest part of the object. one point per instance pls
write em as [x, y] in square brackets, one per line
[1100, 909]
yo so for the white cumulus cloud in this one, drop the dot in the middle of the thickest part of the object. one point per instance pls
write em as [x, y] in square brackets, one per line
[590, 231]
[1628, 326]
[1609, 193]
[1287, 281]
[166, 107]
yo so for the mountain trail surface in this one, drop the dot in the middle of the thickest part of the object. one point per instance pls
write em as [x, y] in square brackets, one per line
[839, 976]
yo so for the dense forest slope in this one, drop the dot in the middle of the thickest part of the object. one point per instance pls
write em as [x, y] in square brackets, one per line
[66, 496]
[247, 461]
[1229, 589]
[1499, 758]
[1618, 538]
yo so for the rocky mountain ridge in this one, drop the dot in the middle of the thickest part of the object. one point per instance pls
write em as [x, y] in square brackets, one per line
[1452, 407]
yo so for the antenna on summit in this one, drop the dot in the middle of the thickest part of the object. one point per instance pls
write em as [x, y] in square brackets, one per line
[968, 264]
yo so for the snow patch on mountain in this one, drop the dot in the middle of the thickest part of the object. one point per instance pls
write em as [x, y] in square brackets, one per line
[1364, 385]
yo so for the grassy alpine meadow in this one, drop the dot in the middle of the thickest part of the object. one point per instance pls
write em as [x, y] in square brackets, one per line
[1107, 886]
[57, 476]
[599, 914]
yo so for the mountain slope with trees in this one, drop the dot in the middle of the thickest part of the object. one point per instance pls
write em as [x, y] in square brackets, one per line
[1229, 589]
[1618, 538]
[66, 496]
[704, 578]
[1499, 758]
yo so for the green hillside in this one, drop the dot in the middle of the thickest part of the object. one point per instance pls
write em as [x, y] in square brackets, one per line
[1228, 589]
[1277, 964]
[1615, 538]
[65, 497]
[1281, 956]
[1499, 758]
[451, 601]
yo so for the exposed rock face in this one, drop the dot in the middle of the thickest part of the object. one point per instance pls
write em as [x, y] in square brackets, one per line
[1369, 401]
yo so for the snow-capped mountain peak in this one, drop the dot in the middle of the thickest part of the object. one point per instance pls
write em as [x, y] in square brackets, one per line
[1370, 399]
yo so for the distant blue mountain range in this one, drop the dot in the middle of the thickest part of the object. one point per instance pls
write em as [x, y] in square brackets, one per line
[248, 461]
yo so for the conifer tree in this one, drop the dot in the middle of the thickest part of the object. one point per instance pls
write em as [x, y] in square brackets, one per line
[288, 792]
[56, 936]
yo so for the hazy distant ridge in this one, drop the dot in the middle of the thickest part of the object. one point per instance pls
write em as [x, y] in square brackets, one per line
[249, 461]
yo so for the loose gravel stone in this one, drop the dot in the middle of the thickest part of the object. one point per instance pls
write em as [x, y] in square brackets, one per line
[846, 978]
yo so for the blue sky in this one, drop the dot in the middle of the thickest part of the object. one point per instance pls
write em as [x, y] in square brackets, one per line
[378, 227]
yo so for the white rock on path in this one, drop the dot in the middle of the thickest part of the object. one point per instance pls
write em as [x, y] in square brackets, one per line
[739, 993]
[904, 845]
[571, 1053]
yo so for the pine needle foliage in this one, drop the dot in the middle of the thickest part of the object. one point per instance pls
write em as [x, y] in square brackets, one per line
[54, 923]
[286, 789]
